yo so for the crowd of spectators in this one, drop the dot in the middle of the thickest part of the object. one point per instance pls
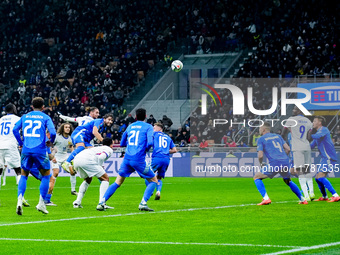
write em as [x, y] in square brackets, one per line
[77, 54]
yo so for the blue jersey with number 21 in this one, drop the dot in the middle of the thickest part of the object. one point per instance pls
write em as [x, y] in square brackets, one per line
[34, 125]
[272, 146]
[138, 140]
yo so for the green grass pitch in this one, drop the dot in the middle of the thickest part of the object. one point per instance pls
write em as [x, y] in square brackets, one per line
[194, 216]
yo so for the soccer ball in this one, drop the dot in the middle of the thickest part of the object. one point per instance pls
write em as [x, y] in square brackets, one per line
[177, 66]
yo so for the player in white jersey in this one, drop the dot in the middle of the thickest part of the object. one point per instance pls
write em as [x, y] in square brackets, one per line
[93, 114]
[89, 163]
[62, 143]
[300, 128]
[9, 153]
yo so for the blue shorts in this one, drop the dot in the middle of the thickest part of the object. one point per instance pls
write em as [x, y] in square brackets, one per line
[36, 173]
[277, 167]
[129, 166]
[80, 137]
[33, 160]
[326, 165]
[160, 165]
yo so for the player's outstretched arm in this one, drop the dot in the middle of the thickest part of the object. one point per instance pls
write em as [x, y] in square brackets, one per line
[313, 144]
[320, 133]
[173, 150]
[96, 133]
[66, 118]
[284, 133]
[16, 133]
[260, 157]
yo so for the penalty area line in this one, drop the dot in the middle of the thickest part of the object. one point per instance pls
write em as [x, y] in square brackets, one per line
[314, 247]
[146, 242]
[133, 214]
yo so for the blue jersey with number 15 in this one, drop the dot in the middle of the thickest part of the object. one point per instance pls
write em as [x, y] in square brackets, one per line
[162, 143]
[138, 140]
[272, 146]
[34, 125]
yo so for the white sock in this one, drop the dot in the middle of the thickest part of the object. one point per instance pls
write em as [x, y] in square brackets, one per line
[102, 189]
[19, 200]
[335, 195]
[303, 184]
[310, 185]
[266, 197]
[82, 189]
[41, 200]
[4, 176]
[73, 182]
[143, 201]
[18, 178]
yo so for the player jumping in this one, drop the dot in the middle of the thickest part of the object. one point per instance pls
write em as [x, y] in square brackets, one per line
[276, 151]
[93, 114]
[82, 136]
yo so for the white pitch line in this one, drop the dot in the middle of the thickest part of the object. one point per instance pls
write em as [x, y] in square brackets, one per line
[132, 214]
[146, 242]
[306, 248]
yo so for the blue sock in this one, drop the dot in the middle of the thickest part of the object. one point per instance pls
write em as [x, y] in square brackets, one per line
[146, 182]
[45, 181]
[260, 186]
[327, 184]
[321, 188]
[110, 191]
[159, 185]
[22, 186]
[295, 189]
[75, 152]
[149, 190]
[48, 198]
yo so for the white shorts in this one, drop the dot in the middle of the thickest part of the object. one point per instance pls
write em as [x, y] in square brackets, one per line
[60, 160]
[302, 158]
[10, 158]
[88, 169]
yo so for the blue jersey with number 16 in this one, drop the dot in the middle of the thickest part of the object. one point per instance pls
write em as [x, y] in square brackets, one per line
[272, 146]
[34, 125]
[138, 140]
[162, 143]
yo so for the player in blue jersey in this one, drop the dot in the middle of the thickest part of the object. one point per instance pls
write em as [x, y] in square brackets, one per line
[276, 151]
[162, 147]
[82, 136]
[138, 139]
[322, 138]
[34, 144]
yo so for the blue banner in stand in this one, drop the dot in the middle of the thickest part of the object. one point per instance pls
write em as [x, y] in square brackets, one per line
[206, 164]
[324, 96]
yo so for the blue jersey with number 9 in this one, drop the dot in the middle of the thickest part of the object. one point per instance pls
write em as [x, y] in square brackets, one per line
[34, 125]
[272, 146]
[138, 140]
[162, 143]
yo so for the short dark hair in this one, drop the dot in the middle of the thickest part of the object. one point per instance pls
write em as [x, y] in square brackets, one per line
[107, 141]
[108, 115]
[38, 102]
[10, 108]
[322, 119]
[159, 125]
[141, 114]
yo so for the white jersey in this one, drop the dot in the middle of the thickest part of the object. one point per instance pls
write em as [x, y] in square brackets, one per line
[83, 120]
[299, 133]
[95, 155]
[62, 143]
[7, 139]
